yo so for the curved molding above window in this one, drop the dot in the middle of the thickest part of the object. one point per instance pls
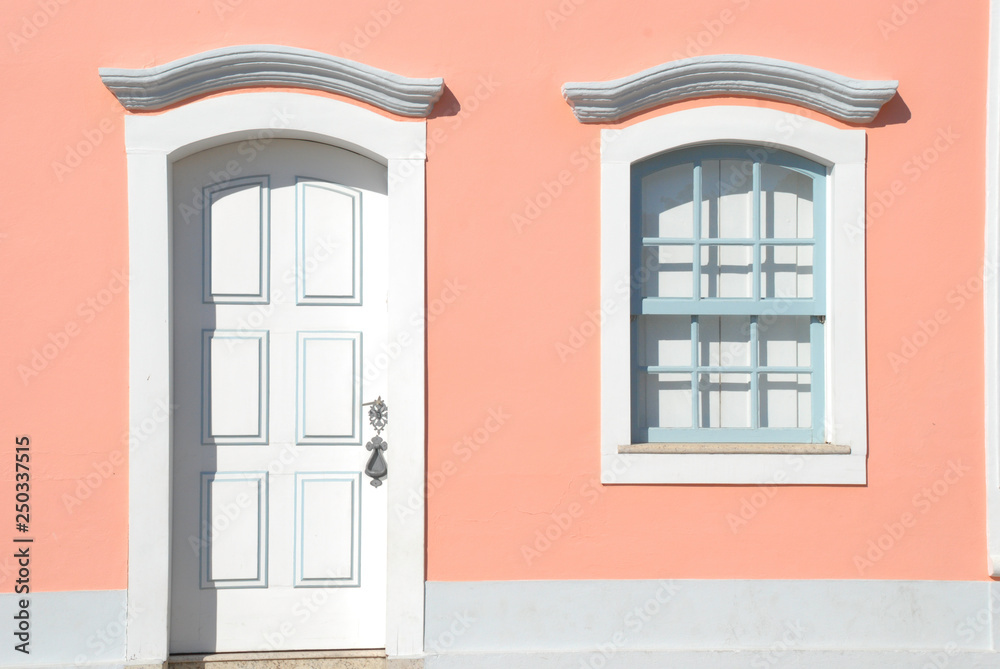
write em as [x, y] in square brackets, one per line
[843, 98]
[231, 67]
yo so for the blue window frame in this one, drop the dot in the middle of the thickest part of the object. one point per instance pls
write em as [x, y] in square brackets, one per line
[728, 296]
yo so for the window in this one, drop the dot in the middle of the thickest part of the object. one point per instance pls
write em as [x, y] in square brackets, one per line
[733, 288]
[728, 305]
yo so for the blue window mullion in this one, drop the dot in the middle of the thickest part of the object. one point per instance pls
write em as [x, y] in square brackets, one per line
[694, 374]
[817, 379]
[636, 261]
[819, 235]
[634, 345]
[723, 241]
[696, 249]
[754, 400]
[756, 232]
[730, 306]
[708, 369]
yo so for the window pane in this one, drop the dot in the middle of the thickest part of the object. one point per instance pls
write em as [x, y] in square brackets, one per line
[724, 341]
[664, 400]
[668, 202]
[786, 271]
[724, 400]
[667, 271]
[727, 199]
[726, 271]
[665, 341]
[786, 203]
[785, 400]
[783, 341]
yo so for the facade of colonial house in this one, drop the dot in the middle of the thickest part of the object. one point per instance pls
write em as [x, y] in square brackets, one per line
[527, 334]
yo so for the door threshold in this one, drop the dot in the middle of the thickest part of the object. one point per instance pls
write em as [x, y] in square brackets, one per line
[295, 659]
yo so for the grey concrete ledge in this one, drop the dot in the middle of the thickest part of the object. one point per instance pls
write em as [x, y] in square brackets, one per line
[843, 98]
[231, 67]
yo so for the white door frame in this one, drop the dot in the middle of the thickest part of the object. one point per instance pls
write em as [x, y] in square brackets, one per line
[153, 144]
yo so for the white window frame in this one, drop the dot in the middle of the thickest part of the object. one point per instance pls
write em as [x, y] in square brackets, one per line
[991, 297]
[843, 153]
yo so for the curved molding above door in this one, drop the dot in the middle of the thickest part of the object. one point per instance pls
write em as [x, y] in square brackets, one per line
[148, 89]
[838, 96]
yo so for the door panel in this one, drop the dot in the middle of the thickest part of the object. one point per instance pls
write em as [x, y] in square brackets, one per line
[279, 294]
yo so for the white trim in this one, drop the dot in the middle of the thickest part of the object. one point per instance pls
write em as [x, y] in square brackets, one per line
[712, 615]
[843, 152]
[843, 98]
[991, 296]
[153, 144]
[151, 88]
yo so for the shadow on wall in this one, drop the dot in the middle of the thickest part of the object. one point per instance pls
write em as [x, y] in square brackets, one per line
[894, 111]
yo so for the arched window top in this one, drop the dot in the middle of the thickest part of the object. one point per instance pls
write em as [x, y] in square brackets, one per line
[745, 153]
[769, 129]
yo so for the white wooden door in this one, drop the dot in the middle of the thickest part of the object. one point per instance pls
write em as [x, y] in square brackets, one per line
[279, 294]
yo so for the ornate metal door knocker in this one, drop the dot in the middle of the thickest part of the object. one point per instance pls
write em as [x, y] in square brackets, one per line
[378, 416]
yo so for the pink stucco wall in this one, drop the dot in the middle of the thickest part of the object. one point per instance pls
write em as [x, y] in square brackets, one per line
[503, 294]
